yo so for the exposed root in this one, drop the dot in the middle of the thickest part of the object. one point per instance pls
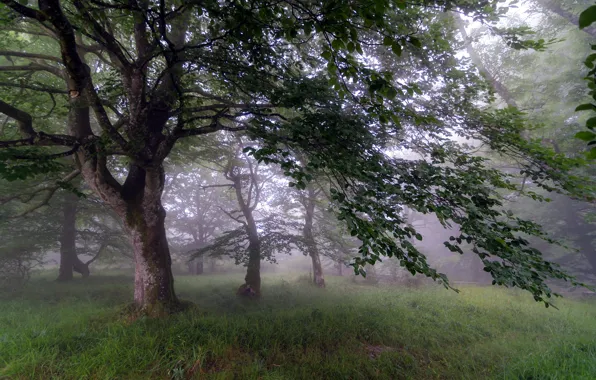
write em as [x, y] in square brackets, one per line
[246, 291]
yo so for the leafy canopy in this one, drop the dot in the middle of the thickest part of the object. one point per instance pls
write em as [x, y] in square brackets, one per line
[353, 86]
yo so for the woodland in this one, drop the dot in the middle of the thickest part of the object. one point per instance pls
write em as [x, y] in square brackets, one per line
[280, 189]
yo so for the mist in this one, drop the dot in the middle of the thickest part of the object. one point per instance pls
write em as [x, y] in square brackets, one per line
[296, 189]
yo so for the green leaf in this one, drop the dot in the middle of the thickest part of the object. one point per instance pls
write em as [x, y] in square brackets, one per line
[396, 48]
[589, 62]
[416, 42]
[591, 123]
[586, 107]
[591, 154]
[585, 135]
[587, 17]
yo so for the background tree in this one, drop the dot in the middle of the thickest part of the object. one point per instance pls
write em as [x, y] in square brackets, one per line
[195, 69]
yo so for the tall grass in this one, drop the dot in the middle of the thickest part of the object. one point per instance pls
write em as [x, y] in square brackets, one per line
[347, 331]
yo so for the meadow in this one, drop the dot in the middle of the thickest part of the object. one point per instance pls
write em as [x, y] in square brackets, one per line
[346, 331]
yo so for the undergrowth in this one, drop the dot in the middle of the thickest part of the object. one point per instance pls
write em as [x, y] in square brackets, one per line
[346, 331]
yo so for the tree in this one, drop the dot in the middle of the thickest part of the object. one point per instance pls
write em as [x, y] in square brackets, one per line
[194, 209]
[309, 201]
[191, 69]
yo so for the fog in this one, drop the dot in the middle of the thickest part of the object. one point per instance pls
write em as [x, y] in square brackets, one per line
[283, 190]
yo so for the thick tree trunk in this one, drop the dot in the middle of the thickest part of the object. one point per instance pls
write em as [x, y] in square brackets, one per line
[154, 281]
[313, 252]
[69, 261]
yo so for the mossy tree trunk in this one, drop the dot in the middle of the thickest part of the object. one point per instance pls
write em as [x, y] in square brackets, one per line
[145, 223]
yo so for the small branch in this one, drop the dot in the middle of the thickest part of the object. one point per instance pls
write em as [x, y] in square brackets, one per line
[7, 53]
[48, 156]
[49, 90]
[237, 219]
[33, 67]
[219, 185]
[101, 248]
[209, 129]
[41, 139]
[43, 202]
[212, 107]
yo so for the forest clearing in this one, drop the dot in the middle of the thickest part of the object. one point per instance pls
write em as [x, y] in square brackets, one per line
[347, 330]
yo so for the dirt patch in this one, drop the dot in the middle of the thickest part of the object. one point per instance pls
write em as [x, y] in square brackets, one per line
[375, 351]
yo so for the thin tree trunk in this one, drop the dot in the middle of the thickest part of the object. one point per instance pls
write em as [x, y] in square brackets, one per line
[499, 88]
[199, 266]
[313, 252]
[69, 260]
[253, 269]
[572, 18]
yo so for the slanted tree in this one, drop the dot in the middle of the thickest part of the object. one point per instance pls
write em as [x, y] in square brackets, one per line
[141, 75]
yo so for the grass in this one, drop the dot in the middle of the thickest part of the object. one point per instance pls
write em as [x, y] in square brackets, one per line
[347, 331]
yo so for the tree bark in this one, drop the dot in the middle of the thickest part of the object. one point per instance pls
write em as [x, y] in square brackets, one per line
[309, 238]
[69, 260]
[144, 221]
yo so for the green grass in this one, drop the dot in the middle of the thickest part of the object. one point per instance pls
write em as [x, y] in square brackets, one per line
[347, 331]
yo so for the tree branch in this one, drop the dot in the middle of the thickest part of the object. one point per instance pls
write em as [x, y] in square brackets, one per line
[33, 67]
[7, 53]
[25, 11]
[49, 90]
[208, 129]
[24, 120]
[46, 199]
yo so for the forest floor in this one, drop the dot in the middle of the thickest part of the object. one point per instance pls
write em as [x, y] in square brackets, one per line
[347, 331]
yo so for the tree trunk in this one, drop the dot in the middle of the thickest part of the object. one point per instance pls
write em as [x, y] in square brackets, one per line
[499, 88]
[340, 269]
[69, 261]
[252, 280]
[313, 252]
[572, 18]
[139, 205]
[199, 266]
[154, 281]
[253, 269]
